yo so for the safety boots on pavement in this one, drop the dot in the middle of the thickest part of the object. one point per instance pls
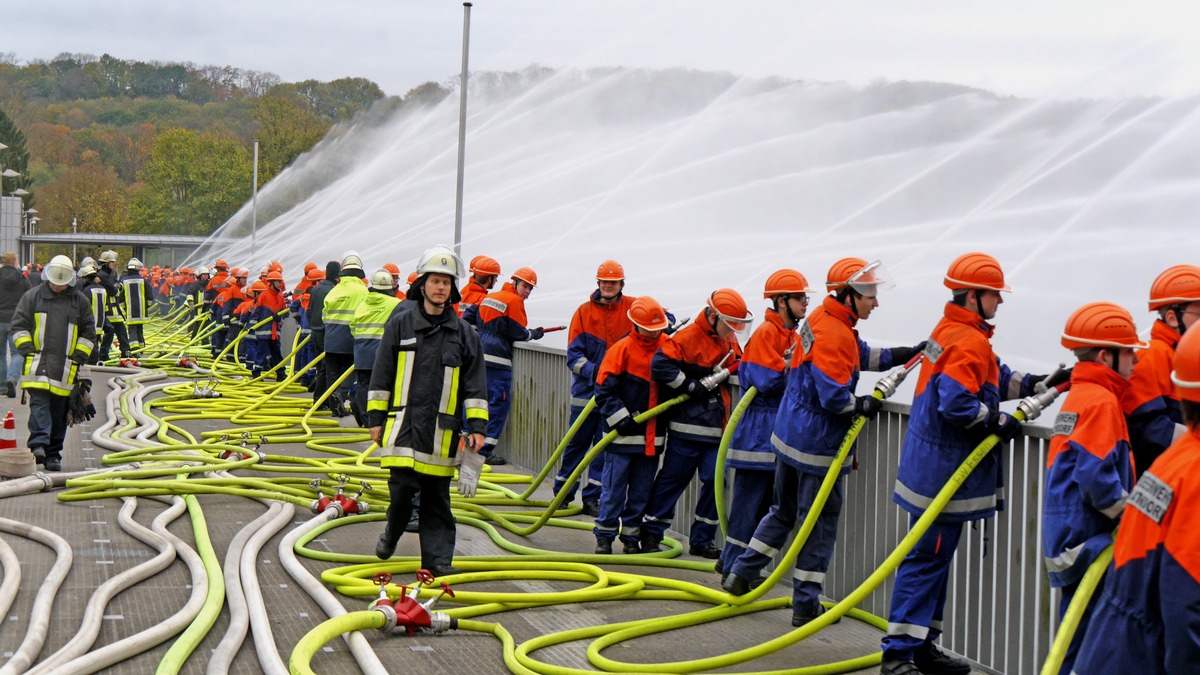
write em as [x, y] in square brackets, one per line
[604, 546]
[932, 661]
[708, 550]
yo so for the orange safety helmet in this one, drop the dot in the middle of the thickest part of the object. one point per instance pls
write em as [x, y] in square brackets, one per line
[610, 270]
[527, 275]
[1186, 374]
[315, 274]
[256, 288]
[786, 282]
[309, 266]
[412, 276]
[864, 277]
[275, 265]
[392, 269]
[1178, 285]
[274, 275]
[483, 266]
[731, 308]
[646, 313]
[1101, 324]
[221, 265]
[975, 270]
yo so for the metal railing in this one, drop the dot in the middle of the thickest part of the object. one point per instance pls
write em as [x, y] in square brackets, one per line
[1000, 612]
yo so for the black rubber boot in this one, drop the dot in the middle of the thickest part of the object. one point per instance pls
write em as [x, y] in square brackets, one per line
[708, 550]
[894, 667]
[799, 619]
[386, 546]
[651, 544]
[932, 661]
[632, 548]
[604, 546]
[735, 585]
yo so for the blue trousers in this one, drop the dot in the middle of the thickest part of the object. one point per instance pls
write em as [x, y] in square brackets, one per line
[919, 595]
[47, 422]
[682, 460]
[795, 492]
[499, 382]
[588, 435]
[749, 499]
[628, 479]
[1068, 593]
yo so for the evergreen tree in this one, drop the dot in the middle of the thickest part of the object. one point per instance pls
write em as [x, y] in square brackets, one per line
[14, 157]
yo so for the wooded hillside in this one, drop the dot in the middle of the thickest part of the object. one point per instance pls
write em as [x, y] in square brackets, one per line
[129, 146]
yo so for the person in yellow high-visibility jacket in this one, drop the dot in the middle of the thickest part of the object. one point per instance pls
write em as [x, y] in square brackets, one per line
[427, 382]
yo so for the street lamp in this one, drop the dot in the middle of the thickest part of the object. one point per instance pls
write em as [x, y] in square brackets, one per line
[19, 192]
[7, 173]
[32, 246]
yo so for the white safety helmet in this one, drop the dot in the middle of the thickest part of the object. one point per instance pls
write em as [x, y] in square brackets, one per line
[441, 260]
[87, 269]
[382, 280]
[134, 264]
[203, 269]
[87, 260]
[352, 261]
[59, 271]
[108, 257]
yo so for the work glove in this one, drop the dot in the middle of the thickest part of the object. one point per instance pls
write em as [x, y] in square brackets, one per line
[901, 355]
[79, 403]
[693, 386]
[674, 325]
[867, 406]
[470, 466]
[627, 427]
[1043, 382]
[1002, 424]
[536, 333]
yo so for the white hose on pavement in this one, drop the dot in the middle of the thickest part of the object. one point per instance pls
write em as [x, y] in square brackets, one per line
[39, 618]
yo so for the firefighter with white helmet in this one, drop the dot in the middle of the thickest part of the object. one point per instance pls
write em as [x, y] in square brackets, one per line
[55, 333]
[427, 382]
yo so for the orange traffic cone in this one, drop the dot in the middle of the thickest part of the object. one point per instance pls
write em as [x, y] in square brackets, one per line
[8, 436]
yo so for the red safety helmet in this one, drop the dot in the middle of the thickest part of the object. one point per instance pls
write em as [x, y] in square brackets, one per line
[975, 270]
[1101, 324]
[483, 266]
[786, 282]
[610, 270]
[527, 275]
[731, 308]
[647, 313]
[1178, 285]
[1186, 374]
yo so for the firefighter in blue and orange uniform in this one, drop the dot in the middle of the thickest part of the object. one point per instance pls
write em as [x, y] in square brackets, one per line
[251, 353]
[1151, 403]
[596, 325]
[956, 406]
[1089, 471]
[624, 389]
[484, 272]
[299, 307]
[226, 303]
[764, 367]
[1148, 619]
[502, 322]
[271, 303]
[819, 405]
[697, 360]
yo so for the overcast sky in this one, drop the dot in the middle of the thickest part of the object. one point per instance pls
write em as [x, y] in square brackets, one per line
[1025, 47]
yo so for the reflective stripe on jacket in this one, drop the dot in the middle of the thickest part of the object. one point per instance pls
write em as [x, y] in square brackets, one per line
[55, 333]
[692, 353]
[764, 367]
[961, 379]
[337, 312]
[502, 322]
[624, 389]
[428, 376]
[595, 327]
[1089, 472]
[367, 327]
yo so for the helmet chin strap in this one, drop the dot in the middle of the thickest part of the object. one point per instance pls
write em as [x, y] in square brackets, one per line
[787, 304]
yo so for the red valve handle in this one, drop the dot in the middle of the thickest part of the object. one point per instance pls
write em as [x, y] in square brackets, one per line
[446, 587]
[425, 576]
[381, 578]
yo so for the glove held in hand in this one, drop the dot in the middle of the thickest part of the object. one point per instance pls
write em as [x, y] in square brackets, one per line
[470, 466]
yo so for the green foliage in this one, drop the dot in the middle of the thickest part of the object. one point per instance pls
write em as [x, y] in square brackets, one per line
[191, 183]
[138, 146]
[14, 157]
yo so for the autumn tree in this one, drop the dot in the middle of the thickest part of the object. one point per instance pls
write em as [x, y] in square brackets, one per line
[191, 183]
[287, 127]
[92, 193]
